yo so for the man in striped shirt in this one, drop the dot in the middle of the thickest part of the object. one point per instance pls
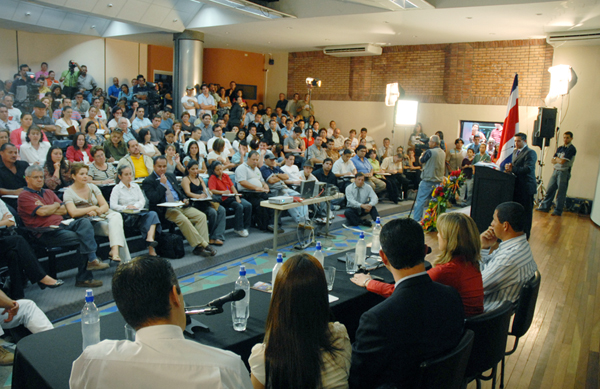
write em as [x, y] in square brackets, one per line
[509, 266]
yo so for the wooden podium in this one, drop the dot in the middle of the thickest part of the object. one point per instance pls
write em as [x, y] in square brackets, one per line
[491, 188]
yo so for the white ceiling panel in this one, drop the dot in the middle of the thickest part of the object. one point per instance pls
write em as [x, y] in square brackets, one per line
[81, 5]
[175, 21]
[108, 8]
[73, 23]
[132, 10]
[52, 18]
[8, 7]
[53, 3]
[187, 6]
[95, 26]
[28, 13]
[155, 15]
[165, 3]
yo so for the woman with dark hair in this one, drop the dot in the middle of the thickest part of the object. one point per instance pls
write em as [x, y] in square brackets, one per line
[309, 140]
[218, 155]
[193, 154]
[19, 136]
[58, 96]
[457, 265]
[224, 103]
[194, 187]
[91, 138]
[239, 136]
[125, 93]
[127, 197]
[310, 122]
[442, 143]
[220, 184]
[412, 167]
[34, 150]
[80, 150]
[101, 173]
[186, 125]
[173, 163]
[146, 146]
[302, 348]
[66, 123]
[418, 140]
[57, 172]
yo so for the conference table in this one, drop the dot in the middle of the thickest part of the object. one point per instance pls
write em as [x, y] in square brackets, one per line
[44, 360]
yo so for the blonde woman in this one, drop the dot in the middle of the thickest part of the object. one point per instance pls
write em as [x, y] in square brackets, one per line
[457, 265]
[83, 199]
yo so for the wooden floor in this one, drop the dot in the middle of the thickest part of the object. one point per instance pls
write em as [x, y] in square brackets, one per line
[562, 347]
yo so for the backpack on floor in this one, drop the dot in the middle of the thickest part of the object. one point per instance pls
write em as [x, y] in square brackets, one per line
[170, 246]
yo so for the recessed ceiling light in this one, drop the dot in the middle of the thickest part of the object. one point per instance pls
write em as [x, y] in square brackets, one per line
[27, 13]
[93, 27]
[469, 17]
[174, 20]
[109, 5]
[539, 14]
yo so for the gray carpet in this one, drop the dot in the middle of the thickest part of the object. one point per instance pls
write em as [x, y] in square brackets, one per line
[68, 300]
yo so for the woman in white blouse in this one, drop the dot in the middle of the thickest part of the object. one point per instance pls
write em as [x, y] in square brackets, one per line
[128, 197]
[146, 146]
[302, 348]
[34, 150]
[65, 122]
[218, 154]
[83, 199]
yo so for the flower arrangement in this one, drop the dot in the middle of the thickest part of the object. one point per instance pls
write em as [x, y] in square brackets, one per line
[440, 196]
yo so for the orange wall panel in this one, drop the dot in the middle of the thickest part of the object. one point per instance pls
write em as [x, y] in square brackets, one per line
[159, 58]
[222, 66]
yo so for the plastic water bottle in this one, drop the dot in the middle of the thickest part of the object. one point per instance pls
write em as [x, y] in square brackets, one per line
[276, 269]
[319, 254]
[361, 250]
[375, 245]
[240, 310]
[90, 321]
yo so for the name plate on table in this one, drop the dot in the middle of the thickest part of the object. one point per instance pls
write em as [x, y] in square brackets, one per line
[173, 204]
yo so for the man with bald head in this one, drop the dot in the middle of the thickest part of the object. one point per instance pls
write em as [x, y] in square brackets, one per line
[433, 162]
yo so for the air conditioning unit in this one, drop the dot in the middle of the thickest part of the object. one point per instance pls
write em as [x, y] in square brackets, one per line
[361, 50]
[566, 36]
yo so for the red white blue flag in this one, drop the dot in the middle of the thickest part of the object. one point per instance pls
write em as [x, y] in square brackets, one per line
[511, 126]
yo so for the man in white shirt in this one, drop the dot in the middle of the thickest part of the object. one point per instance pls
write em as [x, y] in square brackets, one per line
[338, 139]
[367, 138]
[344, 170]
[101, 113]
[331, 129]
[190, 103]
[218, 134]
[13, 113]
[295, 178]
[206, 102]
[5, 122]
[195, 137]
[140, 121]
[148, 296]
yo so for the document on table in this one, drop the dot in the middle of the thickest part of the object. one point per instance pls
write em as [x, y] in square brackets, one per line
[173, 204]
[332, 298]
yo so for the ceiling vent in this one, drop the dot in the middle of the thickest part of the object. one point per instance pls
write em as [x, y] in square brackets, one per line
[555, 37]
[361, 50]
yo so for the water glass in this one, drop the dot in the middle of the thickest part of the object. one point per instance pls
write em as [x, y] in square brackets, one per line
[330, 277]
[129, 333]
[351, 266]
[240, 311]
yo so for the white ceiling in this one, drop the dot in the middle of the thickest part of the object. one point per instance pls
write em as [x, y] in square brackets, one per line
[319, 23]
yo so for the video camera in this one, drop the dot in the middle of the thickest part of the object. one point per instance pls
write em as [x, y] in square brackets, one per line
[27, 94]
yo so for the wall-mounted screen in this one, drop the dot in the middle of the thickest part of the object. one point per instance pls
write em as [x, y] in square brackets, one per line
[485, 131]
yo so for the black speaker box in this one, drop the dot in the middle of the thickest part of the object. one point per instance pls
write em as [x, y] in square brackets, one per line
[545, 126]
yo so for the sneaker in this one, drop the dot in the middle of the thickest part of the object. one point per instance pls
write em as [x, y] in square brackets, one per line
[88, 284]
[242, 233]
[321, 220]
[6, 357]
[97, 265]
[209, 251]
[331, 215]
[336, 207]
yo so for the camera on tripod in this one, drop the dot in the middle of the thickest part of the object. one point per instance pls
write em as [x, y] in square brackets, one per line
[27, 94]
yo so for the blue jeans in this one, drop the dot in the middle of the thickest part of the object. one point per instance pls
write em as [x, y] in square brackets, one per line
[469, 182]
[81, 232]
[243, 213]
[559, 182]
[422, 201]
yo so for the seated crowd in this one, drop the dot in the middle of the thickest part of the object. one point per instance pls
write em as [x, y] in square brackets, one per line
[83, 163]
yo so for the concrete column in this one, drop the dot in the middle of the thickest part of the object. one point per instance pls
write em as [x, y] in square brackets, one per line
[187, 64]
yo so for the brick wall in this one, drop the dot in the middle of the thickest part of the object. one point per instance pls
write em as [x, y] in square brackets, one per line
[456, 73]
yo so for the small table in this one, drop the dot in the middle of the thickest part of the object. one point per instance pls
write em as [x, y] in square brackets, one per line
[284, 207]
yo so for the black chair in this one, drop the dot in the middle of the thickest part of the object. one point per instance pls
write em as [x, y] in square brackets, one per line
[447, 371]
[491, 333]
[523, 315]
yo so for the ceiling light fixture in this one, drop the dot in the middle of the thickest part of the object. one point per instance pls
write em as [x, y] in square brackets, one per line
[404, 4]
[252, 8]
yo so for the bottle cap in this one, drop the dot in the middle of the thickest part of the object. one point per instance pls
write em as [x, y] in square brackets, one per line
[89, 296]
[279, 257]
[242, 270]
[378, 221]
[362, 235]
[318, 245]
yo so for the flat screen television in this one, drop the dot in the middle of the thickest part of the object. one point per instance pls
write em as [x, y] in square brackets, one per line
[469, 127]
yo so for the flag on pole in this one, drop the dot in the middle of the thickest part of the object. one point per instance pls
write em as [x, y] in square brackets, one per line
[510, 127]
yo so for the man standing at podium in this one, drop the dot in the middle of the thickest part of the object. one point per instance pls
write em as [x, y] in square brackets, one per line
[523, 167]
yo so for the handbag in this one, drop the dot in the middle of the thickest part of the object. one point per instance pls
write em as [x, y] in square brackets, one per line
[170, 246]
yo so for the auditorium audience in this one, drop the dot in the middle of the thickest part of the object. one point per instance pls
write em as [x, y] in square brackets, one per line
[57, 171]
[160, 187]
[18, 136]
[67, 125]
[362, 165]
[219, 183]
[86, 200]
[302, 347]
[361, 200]
[420, 320]
[127, 197]
[148, 296]
[114, 147]
[40, 208]
[482, 155]
[146, 146]
[12, 171]
[252, 185]
[173, 160]
[507, 266]
[92, 137]
[100, 172]
[141, 165]
[194, 188]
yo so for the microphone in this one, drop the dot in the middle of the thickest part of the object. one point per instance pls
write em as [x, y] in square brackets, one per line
[233, 296]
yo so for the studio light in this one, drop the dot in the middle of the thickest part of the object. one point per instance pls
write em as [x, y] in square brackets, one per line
[562, 79]
[406, 112]
[313, 82]
[392, 93]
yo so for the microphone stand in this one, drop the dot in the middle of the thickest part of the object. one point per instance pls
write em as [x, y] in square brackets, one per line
[193, 323]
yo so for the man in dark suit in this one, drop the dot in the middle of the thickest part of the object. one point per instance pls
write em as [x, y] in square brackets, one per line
[161, 187]
[273, 135]
[523, 167]
[420, 320]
